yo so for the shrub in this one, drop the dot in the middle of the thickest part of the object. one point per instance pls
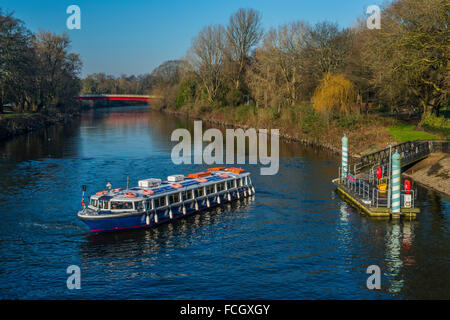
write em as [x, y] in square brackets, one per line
[335, 94]
[436, 124]
[311, 122]
[186, 92]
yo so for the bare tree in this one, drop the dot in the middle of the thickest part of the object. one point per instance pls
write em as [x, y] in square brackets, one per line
[276, 74]
[206, 58]
[327, 51]
[168, 73]
[243, 33]
[409, 55]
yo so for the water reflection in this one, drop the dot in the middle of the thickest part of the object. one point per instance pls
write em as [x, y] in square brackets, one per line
[393, 261]
[53, 142]
[152, 240]
[407, 257]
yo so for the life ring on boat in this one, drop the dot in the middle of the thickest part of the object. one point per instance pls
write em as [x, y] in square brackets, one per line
[201, 180]
[101, 193]
[223, 175]
[216, 169]
[130, 195]
[235, 170]
[148, 192]
[176, 185]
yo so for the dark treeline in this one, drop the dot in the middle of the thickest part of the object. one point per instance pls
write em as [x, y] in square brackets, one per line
[165, 75]
[37, 71]
[403, 65]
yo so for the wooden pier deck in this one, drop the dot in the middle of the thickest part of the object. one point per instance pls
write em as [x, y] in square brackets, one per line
[360, 186]
[366, 205]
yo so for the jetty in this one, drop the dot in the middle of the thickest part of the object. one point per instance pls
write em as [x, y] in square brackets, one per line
[373, 184]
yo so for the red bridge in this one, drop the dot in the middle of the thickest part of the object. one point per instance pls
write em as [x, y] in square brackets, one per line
[114, 97]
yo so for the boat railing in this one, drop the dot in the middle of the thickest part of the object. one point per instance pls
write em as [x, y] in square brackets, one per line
[199, 198]
[151, 208]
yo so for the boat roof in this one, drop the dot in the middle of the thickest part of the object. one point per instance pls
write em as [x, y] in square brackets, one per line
[167, 187]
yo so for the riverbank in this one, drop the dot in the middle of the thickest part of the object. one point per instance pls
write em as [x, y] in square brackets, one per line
[367, 133]
[432, 172]
[19, 124]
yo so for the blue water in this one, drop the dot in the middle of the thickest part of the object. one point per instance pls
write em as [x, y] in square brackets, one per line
[295, 240]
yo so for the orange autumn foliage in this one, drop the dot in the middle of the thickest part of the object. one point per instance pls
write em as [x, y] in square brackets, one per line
[335, 94]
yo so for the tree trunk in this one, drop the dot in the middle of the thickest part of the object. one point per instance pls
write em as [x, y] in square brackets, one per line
[2, 101]
[436, 110]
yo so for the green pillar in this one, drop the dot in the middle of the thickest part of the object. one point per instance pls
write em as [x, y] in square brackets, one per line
[344, 165]
[396, 172]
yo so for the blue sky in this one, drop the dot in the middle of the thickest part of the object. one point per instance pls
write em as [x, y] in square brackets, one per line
[134, 37]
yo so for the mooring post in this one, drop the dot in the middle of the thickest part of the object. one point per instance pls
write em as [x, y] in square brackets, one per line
[344, 156]
[396, 172]
[389, 177]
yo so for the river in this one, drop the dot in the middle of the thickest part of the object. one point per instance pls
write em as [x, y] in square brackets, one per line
[295, 240]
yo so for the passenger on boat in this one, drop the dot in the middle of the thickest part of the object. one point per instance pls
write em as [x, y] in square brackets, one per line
[115, 205]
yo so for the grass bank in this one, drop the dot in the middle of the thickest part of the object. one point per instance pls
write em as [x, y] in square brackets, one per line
[439, 125]
[403, 132]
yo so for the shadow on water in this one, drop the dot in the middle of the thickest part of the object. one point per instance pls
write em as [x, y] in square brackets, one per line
[52, 142]
[160, 236]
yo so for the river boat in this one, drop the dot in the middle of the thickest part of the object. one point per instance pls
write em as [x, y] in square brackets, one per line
[154, 202]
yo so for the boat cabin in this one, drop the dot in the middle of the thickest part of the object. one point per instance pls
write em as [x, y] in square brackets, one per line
[176, 190]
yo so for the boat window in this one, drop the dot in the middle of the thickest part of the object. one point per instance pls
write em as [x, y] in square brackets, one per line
[139, 205]
[174, 198]
[199, 192]
[220, 186]
[230, 184]
[160, 202]
[210, 189]
[187, 194]
[104, 204]
[94, 202]
[118, 205]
